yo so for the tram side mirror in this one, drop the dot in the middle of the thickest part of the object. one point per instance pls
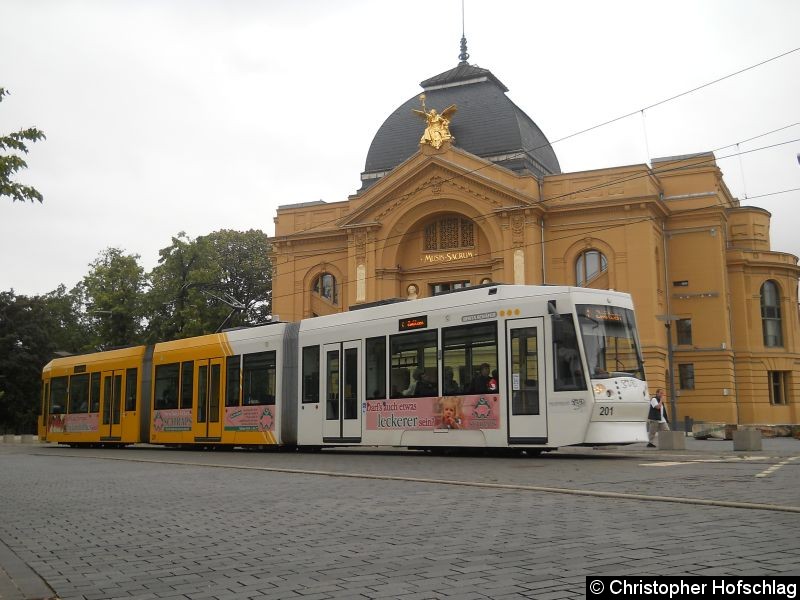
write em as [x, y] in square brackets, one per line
[551, 308]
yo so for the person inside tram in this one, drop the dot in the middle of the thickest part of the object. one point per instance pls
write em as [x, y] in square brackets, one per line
[449, 384]
[420, 385]
[568, 368]
[483, 382]
[167, 399]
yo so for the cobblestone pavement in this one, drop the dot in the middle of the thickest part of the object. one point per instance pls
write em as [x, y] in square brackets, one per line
[150, 524]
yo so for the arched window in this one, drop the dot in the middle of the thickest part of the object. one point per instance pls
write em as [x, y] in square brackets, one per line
[589, 264]
[325, 286]
[771, 314]
[448, 233]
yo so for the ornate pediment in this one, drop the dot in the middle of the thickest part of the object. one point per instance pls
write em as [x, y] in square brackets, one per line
[451, 174]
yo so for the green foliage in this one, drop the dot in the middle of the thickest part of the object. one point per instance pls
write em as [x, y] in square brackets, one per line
[223, 279]
[175, 304]
[112, 293]
[11, 163]
[32, 331]
[71, 328]
[244, 272]
[26, 345]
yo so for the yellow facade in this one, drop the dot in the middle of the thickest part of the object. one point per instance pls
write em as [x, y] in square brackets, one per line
[670, 234]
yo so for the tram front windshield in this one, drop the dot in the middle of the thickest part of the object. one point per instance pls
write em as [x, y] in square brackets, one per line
[610, 341]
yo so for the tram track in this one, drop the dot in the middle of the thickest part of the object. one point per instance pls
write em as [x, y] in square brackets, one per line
[461, 483]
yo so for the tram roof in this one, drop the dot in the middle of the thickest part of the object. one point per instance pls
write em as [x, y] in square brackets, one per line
[464, 297]
[94, 357]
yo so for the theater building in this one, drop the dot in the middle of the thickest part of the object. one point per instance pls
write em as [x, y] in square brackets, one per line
[462, 188]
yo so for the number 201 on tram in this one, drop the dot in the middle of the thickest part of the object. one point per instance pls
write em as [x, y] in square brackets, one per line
[495, 367]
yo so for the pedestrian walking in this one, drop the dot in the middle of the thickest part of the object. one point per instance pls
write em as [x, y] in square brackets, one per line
[657, 417]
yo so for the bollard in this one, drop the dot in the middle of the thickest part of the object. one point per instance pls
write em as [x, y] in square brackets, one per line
[747, 439]
[671, 440]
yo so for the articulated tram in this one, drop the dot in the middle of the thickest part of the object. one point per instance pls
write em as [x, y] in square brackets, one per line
[497, 366]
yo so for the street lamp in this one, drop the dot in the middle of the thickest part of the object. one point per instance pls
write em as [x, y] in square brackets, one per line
[667, 320]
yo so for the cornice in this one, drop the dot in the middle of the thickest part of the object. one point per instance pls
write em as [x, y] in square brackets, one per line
[308, 237]
[766, 259]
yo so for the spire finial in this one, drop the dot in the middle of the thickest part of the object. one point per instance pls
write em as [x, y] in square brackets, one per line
[464, 54]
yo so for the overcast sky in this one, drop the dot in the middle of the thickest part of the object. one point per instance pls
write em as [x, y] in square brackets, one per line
[168, 116]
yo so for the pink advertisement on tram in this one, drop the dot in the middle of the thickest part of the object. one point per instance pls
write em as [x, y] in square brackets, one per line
[82, 422]
[173, 419]
[250, 418]
[450, 412]
[73, 423]
[57, 424]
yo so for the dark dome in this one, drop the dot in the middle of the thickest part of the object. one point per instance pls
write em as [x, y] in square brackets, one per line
[487, 124]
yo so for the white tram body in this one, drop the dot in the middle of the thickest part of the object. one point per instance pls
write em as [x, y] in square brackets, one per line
[565, 369]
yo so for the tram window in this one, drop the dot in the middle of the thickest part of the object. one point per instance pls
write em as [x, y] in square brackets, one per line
[258, 378]
[524, 371]
[78, 394]
[187, 384]
[58, 396]
[310, 374]
[376, 368]
[567, 366]
[94, 393]
[166, 395]
[202, 393]
[233, 383]
[350, 404]
[414, 366]
[117, 397]
[108, 398]
[112, 398]
[470, 359]
[332, 398]
[130, 390]
[213, 400]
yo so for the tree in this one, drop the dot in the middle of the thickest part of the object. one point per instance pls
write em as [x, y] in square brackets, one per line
[244, 272]
[175, 303]
[10, 162]
[113, 294]
[32, 331]
[223, 279]
[25, 347]
[71, 329]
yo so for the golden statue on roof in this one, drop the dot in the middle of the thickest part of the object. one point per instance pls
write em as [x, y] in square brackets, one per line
[438, 130]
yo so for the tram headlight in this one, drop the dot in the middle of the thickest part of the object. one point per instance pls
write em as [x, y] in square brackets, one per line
[600, 390]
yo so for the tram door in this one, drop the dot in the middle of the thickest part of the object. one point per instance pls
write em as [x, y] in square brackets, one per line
[343, 393]
[111, 405]
[527, 410]
[208, 383]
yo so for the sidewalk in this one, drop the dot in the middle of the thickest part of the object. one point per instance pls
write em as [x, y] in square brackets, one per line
[18, 581]
[779, 447]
